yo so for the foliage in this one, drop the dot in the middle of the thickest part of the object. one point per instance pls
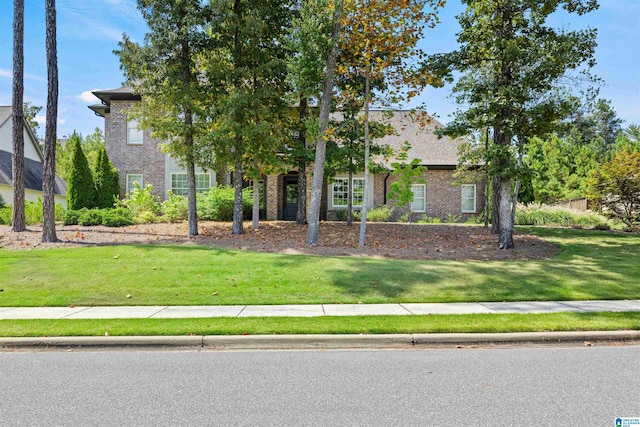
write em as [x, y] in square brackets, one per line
[71, 216]
[615, 187]
[551, 216]
[3, 204]
[427, 220]
[30, 113]
[91, 217]
[512, 64]
[380, 214]
[405, 174]
[167, 70]
[81, 192]
[175, 208]
[218, 203]
[118, 217]
[106, 180]
[5, 215]
[140, 201]
[33, 213]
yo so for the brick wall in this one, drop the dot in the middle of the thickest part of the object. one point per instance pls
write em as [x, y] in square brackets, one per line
[145, 159]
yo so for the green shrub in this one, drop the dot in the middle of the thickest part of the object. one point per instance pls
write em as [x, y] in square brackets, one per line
[33, 212]
[145, 217]
[5, 215]
[141, 200]
[175, 208]
[71, 216]
[217, 203]
[3, 204]
[451, 219]
[91, 217]
[118, 217]
[81, 191]
[475, 219]
[429, 220]
[552, 216]
[380, 214]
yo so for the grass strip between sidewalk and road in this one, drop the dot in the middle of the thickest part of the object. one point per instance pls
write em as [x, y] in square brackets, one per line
[591, 265]
[468, 323]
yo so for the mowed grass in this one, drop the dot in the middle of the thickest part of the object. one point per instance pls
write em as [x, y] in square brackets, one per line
[471, 323]
[590, 265]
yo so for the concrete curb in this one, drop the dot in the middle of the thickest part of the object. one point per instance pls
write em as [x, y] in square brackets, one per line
[279, 342]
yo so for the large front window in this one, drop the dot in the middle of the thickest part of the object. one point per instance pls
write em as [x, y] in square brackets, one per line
[340, 192]
[179, 183]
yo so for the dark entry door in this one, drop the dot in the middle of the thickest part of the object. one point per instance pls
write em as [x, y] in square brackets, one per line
[290, 198]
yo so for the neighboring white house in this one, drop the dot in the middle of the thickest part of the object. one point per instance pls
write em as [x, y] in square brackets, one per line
[33, 163]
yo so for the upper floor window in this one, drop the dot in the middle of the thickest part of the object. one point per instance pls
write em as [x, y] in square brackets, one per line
[134, 135]
[419, 203]
[469, 198]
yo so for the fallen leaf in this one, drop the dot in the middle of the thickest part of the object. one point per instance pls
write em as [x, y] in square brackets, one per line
[116, 256]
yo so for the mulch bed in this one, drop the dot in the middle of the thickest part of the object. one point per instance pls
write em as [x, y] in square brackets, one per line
[384, 240]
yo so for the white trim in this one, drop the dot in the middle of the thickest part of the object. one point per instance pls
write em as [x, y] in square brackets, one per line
[424, 198]
[462, 198]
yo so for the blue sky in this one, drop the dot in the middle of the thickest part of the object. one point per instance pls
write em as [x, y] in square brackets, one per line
[89, 31]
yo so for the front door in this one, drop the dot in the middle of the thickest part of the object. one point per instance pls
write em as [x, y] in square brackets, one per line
[290, 198]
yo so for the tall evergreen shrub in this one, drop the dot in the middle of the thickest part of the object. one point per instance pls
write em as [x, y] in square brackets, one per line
[106, 181]
[81, 192]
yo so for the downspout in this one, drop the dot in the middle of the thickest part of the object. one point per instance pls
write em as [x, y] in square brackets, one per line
[384, 196]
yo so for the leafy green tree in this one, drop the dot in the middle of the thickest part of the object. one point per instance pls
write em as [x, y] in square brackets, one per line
[345, 149]
[246, 74]
[81, 191]
[511, 63]
[380, 45]
[106, 181]
[30, 113]
[615, 187]
[166, 70]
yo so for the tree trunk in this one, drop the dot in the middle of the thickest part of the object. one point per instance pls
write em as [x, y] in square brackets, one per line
[350, 199]
[495, 205]
[255, 216]
[301, 213]
[17, 112]
[321, 143]
[49, 172]
[237, 227]
[365, 197]
[506, 225]
[192, 208]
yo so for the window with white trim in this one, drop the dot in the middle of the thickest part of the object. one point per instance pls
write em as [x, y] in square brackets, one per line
[134, 135]
[340, 192]
[179, 183]
[468, 198]
[132, 178]
[419, 203]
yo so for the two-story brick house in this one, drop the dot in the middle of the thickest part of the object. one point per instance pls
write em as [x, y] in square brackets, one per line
[138, 158]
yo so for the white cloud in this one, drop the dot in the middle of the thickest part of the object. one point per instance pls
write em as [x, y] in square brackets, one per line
[41, 120]
[6, 73]
[62, 121]
[88, 97]
[9, 74]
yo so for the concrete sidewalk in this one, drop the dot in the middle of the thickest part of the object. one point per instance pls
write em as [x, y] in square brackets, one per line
[312, 310]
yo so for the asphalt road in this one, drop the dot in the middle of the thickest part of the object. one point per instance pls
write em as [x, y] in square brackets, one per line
[579, 386]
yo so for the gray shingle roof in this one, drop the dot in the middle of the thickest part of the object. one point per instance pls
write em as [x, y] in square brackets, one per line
[32, 174]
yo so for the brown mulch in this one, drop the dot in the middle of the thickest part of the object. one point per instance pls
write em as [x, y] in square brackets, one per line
[384, 240]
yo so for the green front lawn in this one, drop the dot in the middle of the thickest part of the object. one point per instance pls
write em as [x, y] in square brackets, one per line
[590, 265]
